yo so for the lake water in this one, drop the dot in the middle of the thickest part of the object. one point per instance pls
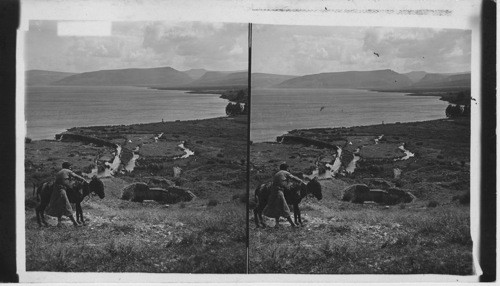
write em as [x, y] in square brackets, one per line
[53, 109]
[276, 111]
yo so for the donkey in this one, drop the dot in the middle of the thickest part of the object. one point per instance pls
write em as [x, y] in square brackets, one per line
[44, 192]
[293, 196]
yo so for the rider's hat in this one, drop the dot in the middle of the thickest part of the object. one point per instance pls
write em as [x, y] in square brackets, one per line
[66, 165]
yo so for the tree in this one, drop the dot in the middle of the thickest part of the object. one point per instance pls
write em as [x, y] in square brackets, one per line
[457, 110]
[233, 109]
[466, 112]
[241, 95]
[447, 111]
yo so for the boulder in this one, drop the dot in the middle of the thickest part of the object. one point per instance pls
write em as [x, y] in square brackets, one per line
[378, 183]
[378, 196]
[170, 195]
[138, 192]
[135, 192]
[160, 182]
[401, 196]
[356, 193]
[360, 193]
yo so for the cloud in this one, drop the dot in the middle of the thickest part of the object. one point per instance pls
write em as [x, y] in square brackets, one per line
[236, 50]
[276, 49]
[95, 47]
[140, 44]
[303, 50]
[200, 44]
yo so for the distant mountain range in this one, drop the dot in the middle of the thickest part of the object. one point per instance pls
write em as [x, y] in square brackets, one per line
[221, 79]
[444, 80]
[378, 79]
[141, 77]
[170, 78]
[349, 79]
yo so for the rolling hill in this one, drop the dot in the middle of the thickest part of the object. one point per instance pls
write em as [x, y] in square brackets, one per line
[165, 76]
[195, 73]
[444, 80]
[415, 76]
[220, 80]
[268, 80]
[43, 77]
[217, 79]
[170, 78]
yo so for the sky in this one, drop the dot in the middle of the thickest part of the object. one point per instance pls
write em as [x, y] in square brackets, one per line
[182, 45]
[291, 50]
[300, 50]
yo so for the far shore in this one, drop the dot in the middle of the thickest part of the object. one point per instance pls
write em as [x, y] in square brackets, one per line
[450, 94]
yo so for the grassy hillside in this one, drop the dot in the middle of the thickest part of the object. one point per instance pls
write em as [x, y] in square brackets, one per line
[429, 235]
[206, 235]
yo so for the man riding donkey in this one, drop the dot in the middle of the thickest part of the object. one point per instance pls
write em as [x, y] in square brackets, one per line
[59, 204]
[276, 206]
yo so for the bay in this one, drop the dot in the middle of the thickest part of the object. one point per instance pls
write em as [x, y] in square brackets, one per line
[53, 109]
[275, 111]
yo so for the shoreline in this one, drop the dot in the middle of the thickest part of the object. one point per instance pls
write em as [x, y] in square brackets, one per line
[452, 95]
[226, 117]
[117, 125]
[230, 95]
[225, 92]
[345, 127]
